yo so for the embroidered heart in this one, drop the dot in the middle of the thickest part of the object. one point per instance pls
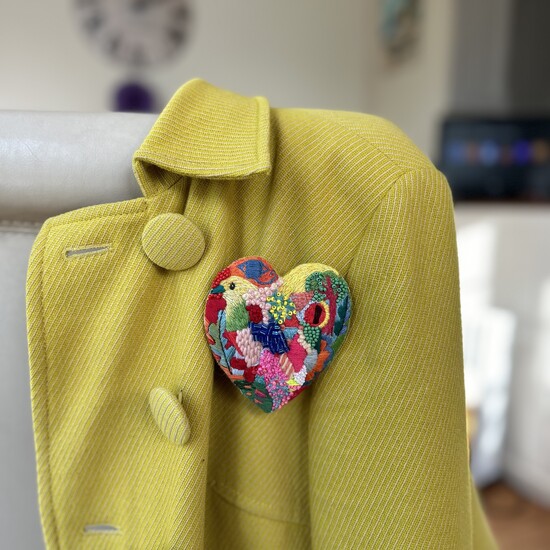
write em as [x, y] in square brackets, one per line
[272, 336]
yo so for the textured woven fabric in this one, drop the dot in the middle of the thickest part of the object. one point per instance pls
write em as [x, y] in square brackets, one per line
[372, 456]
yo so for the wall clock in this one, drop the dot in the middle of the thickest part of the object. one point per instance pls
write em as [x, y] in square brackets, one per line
[135, 33]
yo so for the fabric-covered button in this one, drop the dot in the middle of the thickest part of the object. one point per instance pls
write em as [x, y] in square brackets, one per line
[169, 415]
[173, 241]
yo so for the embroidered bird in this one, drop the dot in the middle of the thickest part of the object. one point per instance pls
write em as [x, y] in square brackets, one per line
[232, 290]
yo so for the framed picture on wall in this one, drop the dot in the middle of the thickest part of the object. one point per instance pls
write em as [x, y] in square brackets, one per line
[399, 27]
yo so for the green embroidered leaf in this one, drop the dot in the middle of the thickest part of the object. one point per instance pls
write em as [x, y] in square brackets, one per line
[238, 318]
[217, 346]
[342, 309]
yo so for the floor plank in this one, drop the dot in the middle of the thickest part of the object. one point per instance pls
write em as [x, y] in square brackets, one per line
[517, 523]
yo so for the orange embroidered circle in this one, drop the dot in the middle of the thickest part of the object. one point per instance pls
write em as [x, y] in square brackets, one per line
[317, 314]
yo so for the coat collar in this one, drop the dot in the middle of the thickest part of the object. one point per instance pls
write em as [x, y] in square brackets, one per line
[204, 132]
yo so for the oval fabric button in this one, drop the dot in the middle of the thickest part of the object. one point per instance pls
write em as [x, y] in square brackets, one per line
[169, 415]
[173, 241]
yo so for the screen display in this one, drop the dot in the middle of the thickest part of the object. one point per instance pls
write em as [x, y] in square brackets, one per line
[496, 159]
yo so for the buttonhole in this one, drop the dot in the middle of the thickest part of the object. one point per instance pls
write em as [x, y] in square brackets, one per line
[85, 251]
[102, 528]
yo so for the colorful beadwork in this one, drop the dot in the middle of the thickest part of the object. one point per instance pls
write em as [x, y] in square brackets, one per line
[272, 336]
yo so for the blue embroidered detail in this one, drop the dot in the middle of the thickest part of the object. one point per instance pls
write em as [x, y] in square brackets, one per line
[257, 271]
[270, 336]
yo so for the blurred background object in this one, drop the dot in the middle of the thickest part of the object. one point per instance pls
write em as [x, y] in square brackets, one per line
[490, 159]
[135, 34]
[468, 81]
[399, 26]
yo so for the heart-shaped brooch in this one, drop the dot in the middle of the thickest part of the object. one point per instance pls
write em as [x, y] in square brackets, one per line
[272, 336]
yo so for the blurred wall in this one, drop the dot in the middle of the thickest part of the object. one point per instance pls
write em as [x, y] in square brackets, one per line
[297, 54]
[501, 56]
[416, 91]
[303, 54]
[528, 76]
[481, 56]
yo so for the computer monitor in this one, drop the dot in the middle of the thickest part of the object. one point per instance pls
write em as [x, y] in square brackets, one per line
[496, 159]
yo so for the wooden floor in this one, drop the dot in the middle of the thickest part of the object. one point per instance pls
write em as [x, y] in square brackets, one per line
[517, 523]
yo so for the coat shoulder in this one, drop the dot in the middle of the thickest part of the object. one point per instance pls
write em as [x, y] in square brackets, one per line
[375, 138]
[357, 155]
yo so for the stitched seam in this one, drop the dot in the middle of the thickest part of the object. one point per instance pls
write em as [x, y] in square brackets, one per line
[99, 216]
[46, 365]
[144, 209]
[378, 206]
[258, 111]
[176, 166]
[219, 487]
[168, 188]
[223, 487]
[145, 181]
[377, 148]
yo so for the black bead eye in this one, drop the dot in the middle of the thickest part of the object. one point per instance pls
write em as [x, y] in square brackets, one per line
[232, 286]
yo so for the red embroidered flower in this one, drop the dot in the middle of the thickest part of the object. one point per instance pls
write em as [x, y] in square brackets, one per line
[255, 313]
[213, 306]
[238, 364]
[250, 374]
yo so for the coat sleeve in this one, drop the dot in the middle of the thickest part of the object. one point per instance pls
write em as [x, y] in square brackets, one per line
[387, 429]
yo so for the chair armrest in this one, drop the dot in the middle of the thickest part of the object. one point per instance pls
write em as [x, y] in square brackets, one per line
[52, 162]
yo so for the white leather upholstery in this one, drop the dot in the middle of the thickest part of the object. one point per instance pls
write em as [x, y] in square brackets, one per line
[50, 162]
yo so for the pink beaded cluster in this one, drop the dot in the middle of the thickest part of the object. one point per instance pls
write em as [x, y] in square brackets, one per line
[274, 378]
[258, 297]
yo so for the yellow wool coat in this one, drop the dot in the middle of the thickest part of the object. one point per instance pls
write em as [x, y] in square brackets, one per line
[373, 455]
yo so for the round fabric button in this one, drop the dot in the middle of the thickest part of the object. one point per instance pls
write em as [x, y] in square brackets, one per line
[169, 415]
[173, 241]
